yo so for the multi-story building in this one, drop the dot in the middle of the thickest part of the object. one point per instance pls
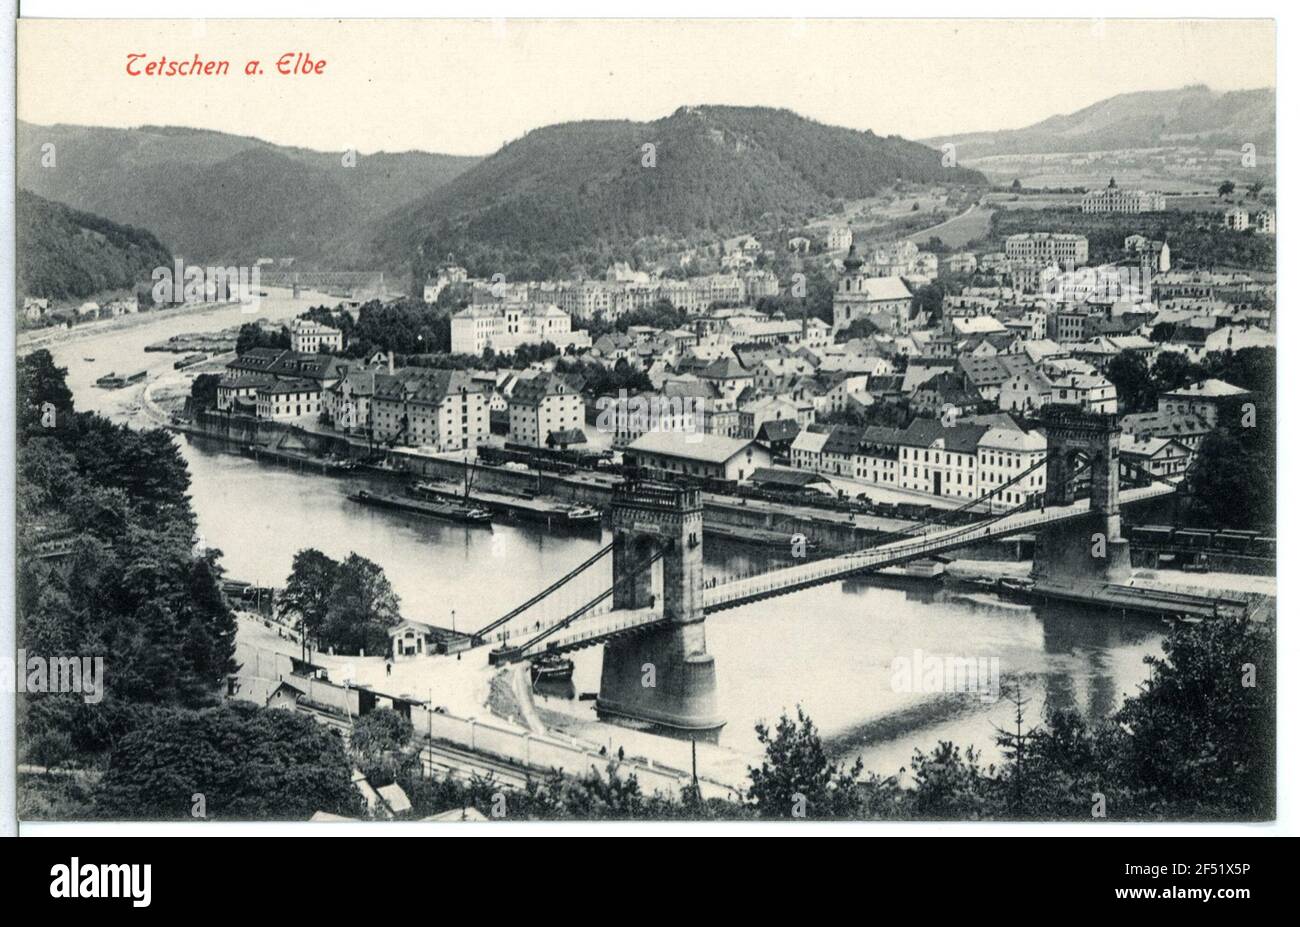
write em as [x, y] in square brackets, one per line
[1266, 222]
[239, 393]
[1068, 326]
[347, 404]
[1236, 219]
[442, 409]
[1151, 255]
[541, 405]
[1005, 453]
[1081, 386]
[1113, 199]
[940, 459]
[285, 400]
[308, 337]
[1047, 248]
[506, 326]
[1210, 399]
[839, 238]
[761, 283]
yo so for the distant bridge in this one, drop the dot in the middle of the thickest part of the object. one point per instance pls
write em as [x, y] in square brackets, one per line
[325, 281]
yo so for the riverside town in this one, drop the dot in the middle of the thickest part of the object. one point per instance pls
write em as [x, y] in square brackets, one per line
[490, 442]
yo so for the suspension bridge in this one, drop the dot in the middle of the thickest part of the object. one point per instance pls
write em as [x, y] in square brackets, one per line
[650, 616]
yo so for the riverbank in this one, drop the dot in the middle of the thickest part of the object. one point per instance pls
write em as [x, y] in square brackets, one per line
[1173, 583]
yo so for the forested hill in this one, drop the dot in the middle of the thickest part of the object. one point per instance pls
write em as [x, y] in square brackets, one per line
[569, 193]
[64, 253]
[213, 197]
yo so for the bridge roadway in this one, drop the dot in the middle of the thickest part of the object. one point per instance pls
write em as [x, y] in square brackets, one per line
[602, 625]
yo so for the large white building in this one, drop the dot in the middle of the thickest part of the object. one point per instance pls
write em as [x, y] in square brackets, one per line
[541, 406]
[1113, 199]
[1004, 453]
[1043, 248]
[308, 337]
[1236, 219]
[442, 409]
[839, 238]
[507, 326]
[286, 400]
[671, 453]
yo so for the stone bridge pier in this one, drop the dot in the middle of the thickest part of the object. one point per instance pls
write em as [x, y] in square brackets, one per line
[1087, 550]
[663, 677]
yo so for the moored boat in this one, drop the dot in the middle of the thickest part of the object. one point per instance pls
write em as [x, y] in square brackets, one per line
[550, 668]
[582, 515]
[434, 508]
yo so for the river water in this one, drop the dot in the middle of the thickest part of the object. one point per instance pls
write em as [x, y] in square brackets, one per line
[832, 649]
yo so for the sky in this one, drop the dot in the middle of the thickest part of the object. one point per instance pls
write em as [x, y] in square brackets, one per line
[468, 87]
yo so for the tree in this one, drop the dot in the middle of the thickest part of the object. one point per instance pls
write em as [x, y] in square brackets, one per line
[42, 388]
[796, 777]
[1226, 188]
[379, 746]
[1233, 477]
[242, 762]
[1203, 730]
[1173, 370]
[305, 599]
[361, 608]
[203, 391]
[1163, 332]
[251, 335]
[1132, 378]
[1015, 185]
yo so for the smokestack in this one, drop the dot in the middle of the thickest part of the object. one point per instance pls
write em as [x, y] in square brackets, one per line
[390, 361]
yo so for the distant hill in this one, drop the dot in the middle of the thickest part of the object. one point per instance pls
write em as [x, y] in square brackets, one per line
[1189, 116]
[63, 253]
[573, 192]
[211, 196]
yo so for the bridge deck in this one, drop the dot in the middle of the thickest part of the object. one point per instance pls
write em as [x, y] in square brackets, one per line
[604, 624]
[816, 572]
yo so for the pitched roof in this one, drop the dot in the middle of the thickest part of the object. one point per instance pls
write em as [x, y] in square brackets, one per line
[960, 437]
[290, 386]
[705, 448]
[725, 368]
[782, 477]
[1207, 389]
[533, 391]
[984, 371]
[778, 429]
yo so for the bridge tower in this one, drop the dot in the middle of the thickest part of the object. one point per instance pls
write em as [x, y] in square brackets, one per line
[1089, 549]
[663, 677]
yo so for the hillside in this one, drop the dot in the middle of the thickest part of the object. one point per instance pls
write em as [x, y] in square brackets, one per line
[571, 193]
[211, 196]
[63, 253]
[1190, 116]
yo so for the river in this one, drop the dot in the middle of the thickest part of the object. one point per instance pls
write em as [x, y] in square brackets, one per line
[831, 649]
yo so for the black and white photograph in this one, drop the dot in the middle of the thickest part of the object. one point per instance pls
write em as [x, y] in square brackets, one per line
[460, 424]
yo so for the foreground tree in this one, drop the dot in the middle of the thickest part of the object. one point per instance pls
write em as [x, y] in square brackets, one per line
[304, 601]
[237, 762]
[797, 779]
[1202, 740]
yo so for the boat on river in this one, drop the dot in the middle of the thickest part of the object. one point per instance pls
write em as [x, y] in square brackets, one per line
[435, 508]
[550, 667]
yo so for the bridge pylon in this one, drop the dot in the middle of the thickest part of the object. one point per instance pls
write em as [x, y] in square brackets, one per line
[664, 677]
[1089, 550]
